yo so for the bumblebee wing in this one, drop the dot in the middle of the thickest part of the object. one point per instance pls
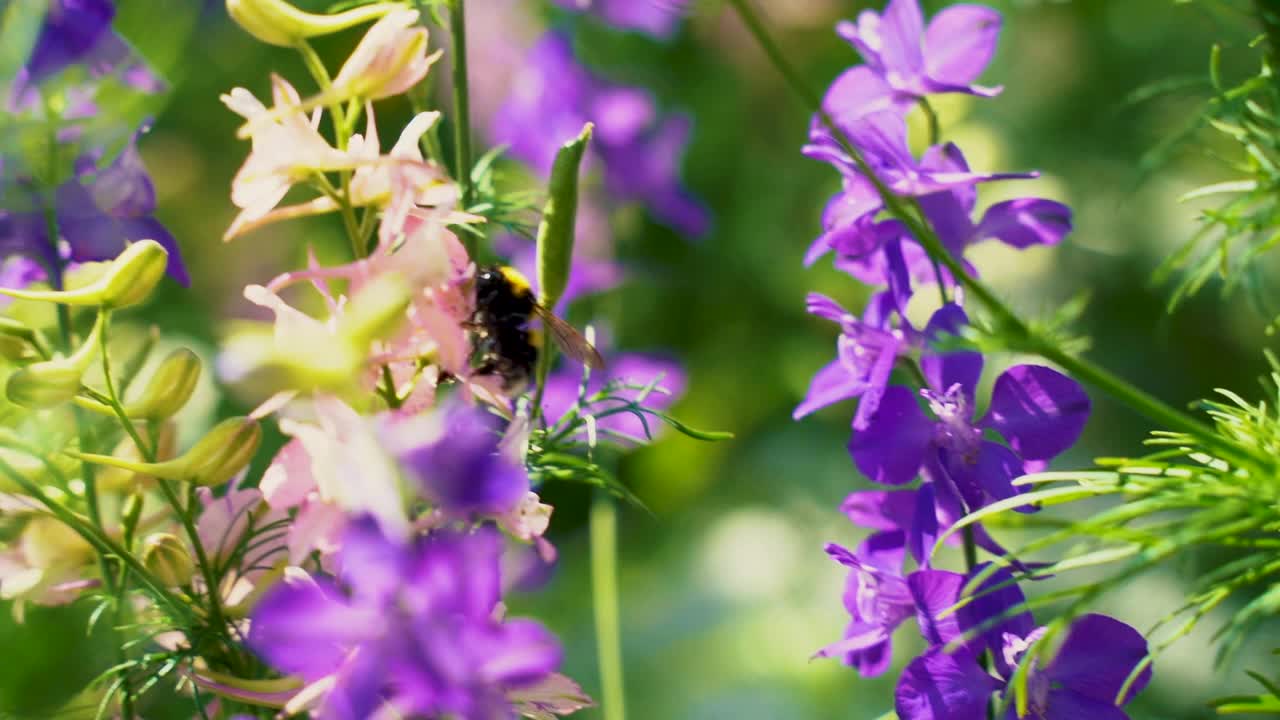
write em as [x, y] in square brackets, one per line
[568, 339]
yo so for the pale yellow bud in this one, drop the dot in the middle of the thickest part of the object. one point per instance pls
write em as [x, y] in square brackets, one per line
[212, 461]
[169, 388]
[127, 280]
[277, 22]
[167, 558]
[53, 382]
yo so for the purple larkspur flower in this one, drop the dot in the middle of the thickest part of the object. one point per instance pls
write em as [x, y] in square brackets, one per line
[406, 629]
[100, 211]
[627, 374]
[913, 60]
[71, 30]
[457, 460]
[660, 18]
[553, 96]
[1082, 680]
[78, 32]
[868, 248]
[866, 352]
[879, 599]
[1037, 410]
[881, 138]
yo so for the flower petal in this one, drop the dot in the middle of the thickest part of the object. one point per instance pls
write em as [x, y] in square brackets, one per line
[1067, 705]
[304, 627]
[960, 42]
[892, 447]
[1025, 222]
[938, 686]
[1097, 656]
[1040, 411]
[935, 591]
[901, 31]
[944, 369]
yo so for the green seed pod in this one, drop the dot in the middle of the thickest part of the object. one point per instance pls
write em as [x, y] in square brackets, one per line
[169, 388]
[128, 280]
[167, 558]
[212, 461]
[555, 233]
[53, 382]
[276, 22]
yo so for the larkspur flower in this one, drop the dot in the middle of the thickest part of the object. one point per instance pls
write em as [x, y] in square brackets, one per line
[881, 139]
[1037, 410]
[913, 60]
[98, 213]
[389, 59]
[287, 148]
[78, 32]
[553, 96]
[660, 18]
[866, 247]
[866, 351]
[879, 599]
[101, 211]
[408, 628]
[455, 457]
[1082, 680]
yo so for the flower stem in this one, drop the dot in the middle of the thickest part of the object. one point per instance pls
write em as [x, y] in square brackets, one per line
[971, 562]
[461, 99]
[1026, 337]
[604, 593]
[1269, 16]
[97, 538]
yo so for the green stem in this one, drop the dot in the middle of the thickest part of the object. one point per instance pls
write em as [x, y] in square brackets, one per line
[1269, 16]
[216, 616]
[908, 212]
[461, 99]
[935, 129]
[342, 136]
[98, 539]
[971, 562]
[604, 592]
[320, 74]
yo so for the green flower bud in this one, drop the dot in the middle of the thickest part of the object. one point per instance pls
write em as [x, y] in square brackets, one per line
[128, 280]
[212, 461]
[170, 387]
[130, 514]
[277, 22]
[167, 558]
[555, 233]
[53, 382]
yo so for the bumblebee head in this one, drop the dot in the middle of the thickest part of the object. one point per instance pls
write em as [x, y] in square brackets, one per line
[520, 285]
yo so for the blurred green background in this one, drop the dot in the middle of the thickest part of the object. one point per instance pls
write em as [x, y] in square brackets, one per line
[726, 591]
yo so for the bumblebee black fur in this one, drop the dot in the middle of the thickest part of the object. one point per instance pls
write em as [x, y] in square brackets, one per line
[501, 343]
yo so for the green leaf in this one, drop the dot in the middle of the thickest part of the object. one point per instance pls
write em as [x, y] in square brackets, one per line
[696, 434]
[555, 234]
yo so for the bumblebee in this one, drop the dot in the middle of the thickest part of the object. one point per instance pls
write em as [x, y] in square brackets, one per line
[501, 342]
